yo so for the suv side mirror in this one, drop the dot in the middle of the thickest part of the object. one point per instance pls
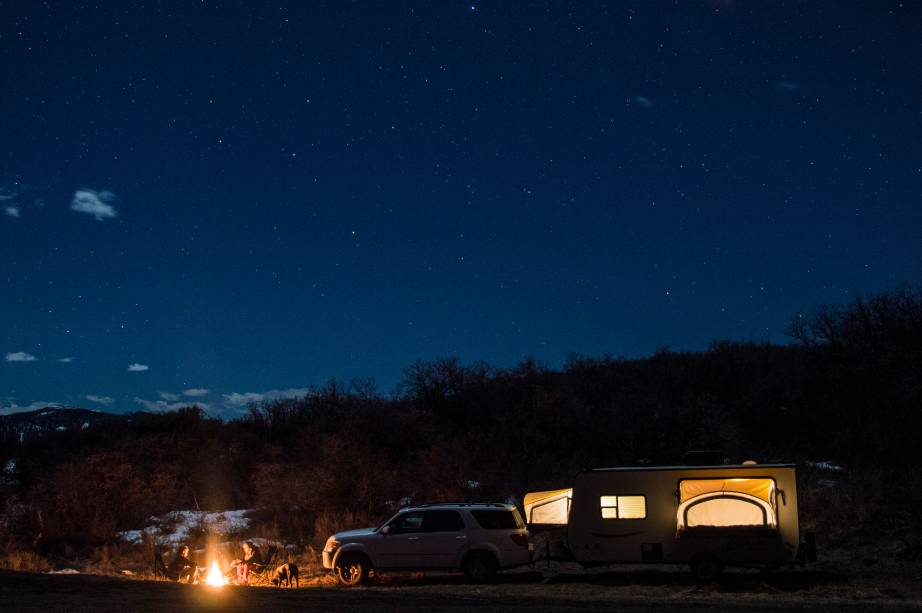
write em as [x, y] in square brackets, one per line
[386, 530]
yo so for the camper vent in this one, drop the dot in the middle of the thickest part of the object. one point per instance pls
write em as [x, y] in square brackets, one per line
[704, 458]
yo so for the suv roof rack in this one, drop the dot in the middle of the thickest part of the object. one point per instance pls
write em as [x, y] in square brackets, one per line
[456, 504]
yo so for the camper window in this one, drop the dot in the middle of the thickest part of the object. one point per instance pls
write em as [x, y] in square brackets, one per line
[623, 507]
[733, 501]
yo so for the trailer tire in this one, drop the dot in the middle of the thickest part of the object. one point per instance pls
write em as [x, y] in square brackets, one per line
[705, 568]
[479, 567]
[352, 569]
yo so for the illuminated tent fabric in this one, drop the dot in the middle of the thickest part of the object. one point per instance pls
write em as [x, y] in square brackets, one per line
[721, 510]
[726, 502]
[551, 507]
[760, 488]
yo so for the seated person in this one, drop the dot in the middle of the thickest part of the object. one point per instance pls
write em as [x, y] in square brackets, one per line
[182, 568]
[252, 562]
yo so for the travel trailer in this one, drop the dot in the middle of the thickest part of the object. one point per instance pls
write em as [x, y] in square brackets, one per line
[705, 516]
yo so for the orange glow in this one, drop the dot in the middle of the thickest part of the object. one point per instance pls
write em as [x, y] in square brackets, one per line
[215, 578]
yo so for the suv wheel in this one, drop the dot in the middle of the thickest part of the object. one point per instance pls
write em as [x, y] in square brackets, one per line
[352, 569]
[479, 567]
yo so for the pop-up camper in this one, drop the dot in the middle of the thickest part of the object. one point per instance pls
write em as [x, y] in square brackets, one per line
[706, 516]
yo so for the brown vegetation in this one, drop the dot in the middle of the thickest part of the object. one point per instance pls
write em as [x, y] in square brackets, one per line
[346, 455]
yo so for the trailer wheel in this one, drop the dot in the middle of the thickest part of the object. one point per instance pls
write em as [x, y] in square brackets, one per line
[705, 567]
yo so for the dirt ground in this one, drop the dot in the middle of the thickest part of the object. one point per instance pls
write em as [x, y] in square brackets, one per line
[534, 590]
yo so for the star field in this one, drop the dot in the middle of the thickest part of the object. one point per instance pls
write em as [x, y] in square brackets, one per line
[242, 201]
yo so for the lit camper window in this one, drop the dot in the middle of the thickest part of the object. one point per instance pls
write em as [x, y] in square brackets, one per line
[623, 507]
[726, 502]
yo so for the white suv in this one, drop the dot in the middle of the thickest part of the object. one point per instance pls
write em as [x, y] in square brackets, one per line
[477, 538]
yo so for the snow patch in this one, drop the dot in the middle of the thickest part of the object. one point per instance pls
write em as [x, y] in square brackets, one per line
[178, 526]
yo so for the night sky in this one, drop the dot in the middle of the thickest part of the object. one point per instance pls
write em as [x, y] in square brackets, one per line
[227, 201]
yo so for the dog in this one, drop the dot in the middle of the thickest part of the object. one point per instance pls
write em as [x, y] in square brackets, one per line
[284, 574]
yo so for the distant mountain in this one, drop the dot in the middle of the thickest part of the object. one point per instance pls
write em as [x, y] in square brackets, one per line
[20, 426]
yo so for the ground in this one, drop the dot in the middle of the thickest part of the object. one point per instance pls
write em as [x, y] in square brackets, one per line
[533, 590]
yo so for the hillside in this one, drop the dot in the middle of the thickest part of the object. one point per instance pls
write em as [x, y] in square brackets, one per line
[847, 392]
[18, 427]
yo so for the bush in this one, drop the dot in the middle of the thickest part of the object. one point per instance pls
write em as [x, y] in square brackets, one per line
[23, 560]
[344, 456]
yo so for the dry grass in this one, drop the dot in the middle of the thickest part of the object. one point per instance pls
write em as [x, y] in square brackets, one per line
[622, 590]
[23, 560]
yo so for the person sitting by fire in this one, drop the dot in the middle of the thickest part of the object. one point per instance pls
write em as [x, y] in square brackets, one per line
[252, 562]
[182, 568]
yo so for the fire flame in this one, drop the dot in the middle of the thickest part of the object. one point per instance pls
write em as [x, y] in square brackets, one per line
[214, 577]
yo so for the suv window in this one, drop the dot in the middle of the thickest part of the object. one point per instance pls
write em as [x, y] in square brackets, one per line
[408, 522]
[498, 520]
[442, 521]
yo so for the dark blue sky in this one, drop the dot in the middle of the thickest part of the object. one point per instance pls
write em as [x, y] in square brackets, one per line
[249, 200]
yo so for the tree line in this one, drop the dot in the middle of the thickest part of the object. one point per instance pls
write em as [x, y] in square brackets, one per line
[848, 388]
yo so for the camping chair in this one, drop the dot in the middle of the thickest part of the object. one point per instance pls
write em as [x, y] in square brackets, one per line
[160, 571]
[263, 574]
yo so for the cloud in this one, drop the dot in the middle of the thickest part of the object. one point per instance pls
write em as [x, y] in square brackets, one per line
[94, 203]
[163, 405]
[786, 86]
[66, 360]
[11, 203]
[642, 101]
[241, 400]
[20, 356]
[12, 407]
[238, 401]
[106, 400]
[194, 392]
[138, 367]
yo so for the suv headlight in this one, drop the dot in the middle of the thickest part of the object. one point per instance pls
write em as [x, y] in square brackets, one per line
[332, 545]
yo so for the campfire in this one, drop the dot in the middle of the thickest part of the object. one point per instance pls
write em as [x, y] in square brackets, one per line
[215, 578]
